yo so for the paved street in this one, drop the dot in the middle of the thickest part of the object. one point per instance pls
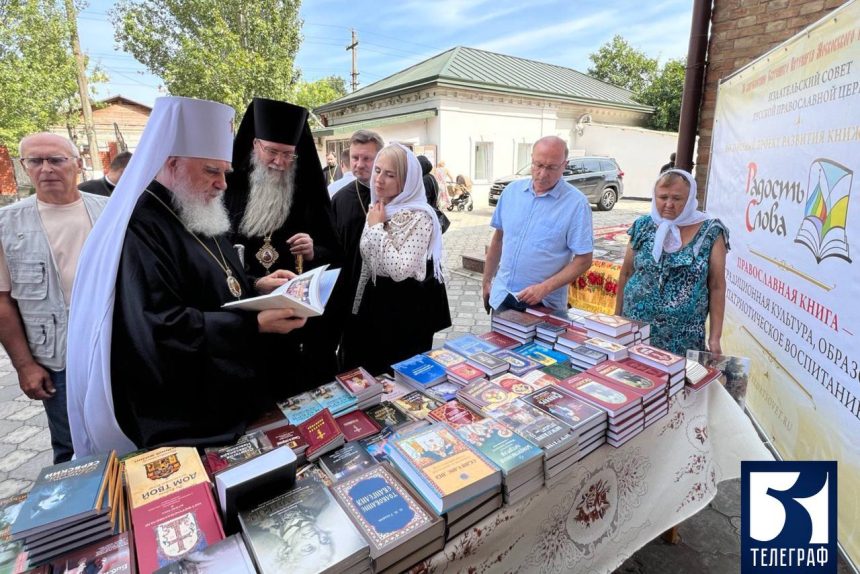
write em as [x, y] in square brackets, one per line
[709, 541]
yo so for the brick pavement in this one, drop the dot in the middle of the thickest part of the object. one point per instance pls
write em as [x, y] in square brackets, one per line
[710, 540]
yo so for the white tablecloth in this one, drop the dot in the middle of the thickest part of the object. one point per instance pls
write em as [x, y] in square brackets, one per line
[616, 500]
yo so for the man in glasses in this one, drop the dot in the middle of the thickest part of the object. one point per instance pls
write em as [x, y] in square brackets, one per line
[280, 214]
[543, 236]
[41, 238]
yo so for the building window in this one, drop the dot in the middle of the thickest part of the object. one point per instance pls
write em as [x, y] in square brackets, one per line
[524, 155]
[336, 147]
[483, 161]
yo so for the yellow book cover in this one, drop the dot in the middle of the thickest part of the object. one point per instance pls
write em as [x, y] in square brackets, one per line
[160, 472]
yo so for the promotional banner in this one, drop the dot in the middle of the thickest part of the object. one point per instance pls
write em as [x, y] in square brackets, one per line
[786, 146]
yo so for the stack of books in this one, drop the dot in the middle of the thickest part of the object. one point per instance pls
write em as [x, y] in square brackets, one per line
[13, 557]
[419, 372]
[334, 397]
[71, 505]
[464, 373]
[560, 371]
[322, 434]
[401, 530]
[541, 354]
[471, 512]
[300, 408]
[549, 329]
[649, 385]
[517, 325]
[417, 405]
[357, 425]
[500, 340]
[282, 435]
[455, 414]
[352, 459]
[109, 555]
[444, 470]
[169, 492]
[520, 386]
[230, 555]
[489, 364]
[520, 461]
[387, 415]
[614, 351]
[624, 407]
[469, 344]
[641, 332]
[586, 421]
[445, 357]
[698, 375]
[304, 530]
[571, 338]
[363, 386]
[517, 364]
[669, 363]
[483, 393]
[557, 440]
[446, 391]
[610, 327]
[584, 357]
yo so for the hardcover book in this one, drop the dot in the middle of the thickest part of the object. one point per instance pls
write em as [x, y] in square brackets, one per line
[518, 386]
[500, 340]
[387, 514]
[469, 344]
[391, 388]
[348, 460]
[455, 414]
[356, 425]
[589, 355]
[359, 383]
[333, 396]
[488, 363]
[575, 412]
[174, 526]
[160, 472]
[321, 433]
[518, 320]
[442, 467]
[300, 408]
[387, 415]
[66, 493]
[643, 369]
[482, 393]
[541, 377]
[444, 392]
[658, 358]
[518, 364]
[594, 390]
[541, 354]
[306, 294]
[217, 459]
[505, 448]
[417, 405]
[445, 357]
[647, 386]
[610, 324]
[13, 559]
[560, 371]
[529, 422]
[466, 372]
[302, 531]
[228, 556]
[419, 371]
[287, 435]
[613, 350]
[109, 555]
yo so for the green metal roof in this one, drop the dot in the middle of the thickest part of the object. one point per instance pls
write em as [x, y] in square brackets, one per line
[478, 69]
[348, 128]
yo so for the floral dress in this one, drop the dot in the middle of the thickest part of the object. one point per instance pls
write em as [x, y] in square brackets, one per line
[671, 295]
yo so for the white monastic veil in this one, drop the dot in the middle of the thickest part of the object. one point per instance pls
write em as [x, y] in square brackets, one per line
[177, 127]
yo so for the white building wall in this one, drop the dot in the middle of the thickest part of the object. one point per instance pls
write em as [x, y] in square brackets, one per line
[639, 152]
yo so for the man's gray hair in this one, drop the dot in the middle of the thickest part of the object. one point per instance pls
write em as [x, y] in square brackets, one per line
[367, 136]
[554, 140]
[73, 149]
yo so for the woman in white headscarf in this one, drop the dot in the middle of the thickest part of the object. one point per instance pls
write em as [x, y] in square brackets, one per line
[673, 275]
[401, 300]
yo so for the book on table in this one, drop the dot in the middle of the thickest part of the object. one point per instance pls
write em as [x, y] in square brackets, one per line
[464, 373]
[393, 520]
[612, 325]
[446, 391]
[468, 344]
[350, 459]
[113, 554]
[13, 557]
[483, 393]
[306, 294]
[506, 449]
[542, 354]
[533, 424]
[300, 408]
[519, 386]
[500, 340]
[594, 389]
[227, 556]
[360, 384]
[387, 415]
[303, 530]
[419, 372]
[157, 473]
[357, 425]
[648, 386]
[657, 358]
[445, 357]
[489, 364]
[455, 414]
[321, 433]
[442, 467]
[335, 398]
[518, 364]
[698, 375]
[417, 404]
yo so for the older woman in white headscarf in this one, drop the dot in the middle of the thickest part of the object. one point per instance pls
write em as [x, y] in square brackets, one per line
[673, 275]
[401, 300]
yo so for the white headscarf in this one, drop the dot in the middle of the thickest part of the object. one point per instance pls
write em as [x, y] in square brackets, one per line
[177, 127]
[413, 198]
[668, 236]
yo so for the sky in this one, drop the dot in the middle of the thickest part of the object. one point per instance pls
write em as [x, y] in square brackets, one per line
[561, 32]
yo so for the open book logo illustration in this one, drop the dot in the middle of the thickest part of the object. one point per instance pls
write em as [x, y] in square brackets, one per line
[822, 230]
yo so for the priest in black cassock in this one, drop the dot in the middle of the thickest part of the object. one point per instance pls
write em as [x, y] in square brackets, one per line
[349, 207]
[280, 213]
[154, 359]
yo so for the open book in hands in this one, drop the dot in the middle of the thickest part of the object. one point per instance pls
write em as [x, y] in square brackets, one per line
[307, 294]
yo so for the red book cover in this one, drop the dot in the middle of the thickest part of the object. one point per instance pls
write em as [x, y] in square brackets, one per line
[571, 338]
[643, 369]
[359, 382]
[319, 431]
[172, 527]
[356, 425]
[597, 392]
[639, 383]
[518, 385]
[466, 371]
[455, 413]
[524, 321]
[287, 435]
[500, 340]
[663, 360]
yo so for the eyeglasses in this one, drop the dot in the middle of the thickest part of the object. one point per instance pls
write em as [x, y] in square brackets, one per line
[543, 167]
[274, 153]
[36, 162]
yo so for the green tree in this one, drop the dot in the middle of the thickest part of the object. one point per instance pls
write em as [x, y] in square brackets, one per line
[223, 50]
[37, 69]
[664, 93]
[619, 64]
[314, 94]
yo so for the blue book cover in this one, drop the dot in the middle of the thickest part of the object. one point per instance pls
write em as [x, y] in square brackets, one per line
[446, 391]
[335, 398]
[541, 354]
[520, 364]
[64, 493]
[505, 448]
[469, 345]
[421, 370]
[300, 408]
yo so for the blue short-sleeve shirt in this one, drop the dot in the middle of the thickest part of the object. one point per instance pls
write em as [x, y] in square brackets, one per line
[540, 235]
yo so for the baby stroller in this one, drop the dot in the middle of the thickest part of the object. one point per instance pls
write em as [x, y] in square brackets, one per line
[461, 194]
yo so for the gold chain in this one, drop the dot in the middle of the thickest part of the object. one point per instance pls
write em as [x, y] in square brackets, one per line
[358, 196]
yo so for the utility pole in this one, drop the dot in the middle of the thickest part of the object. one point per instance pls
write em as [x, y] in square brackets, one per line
[354, 48]
[83, 88]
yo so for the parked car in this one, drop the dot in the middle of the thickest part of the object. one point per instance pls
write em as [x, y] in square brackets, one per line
[598, 178]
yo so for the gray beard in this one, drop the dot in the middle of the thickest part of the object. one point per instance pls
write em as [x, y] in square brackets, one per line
[270, 197]
[209, 219]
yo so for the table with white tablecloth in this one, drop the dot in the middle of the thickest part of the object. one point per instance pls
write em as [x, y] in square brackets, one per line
[615, 500]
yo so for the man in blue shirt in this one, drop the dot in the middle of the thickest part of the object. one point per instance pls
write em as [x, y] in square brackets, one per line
[543, 239]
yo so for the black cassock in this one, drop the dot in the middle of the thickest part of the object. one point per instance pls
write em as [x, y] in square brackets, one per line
[183, 370]
[349, 207]
[306, 355]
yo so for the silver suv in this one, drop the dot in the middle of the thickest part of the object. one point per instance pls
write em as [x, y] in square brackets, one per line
[598, 178]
